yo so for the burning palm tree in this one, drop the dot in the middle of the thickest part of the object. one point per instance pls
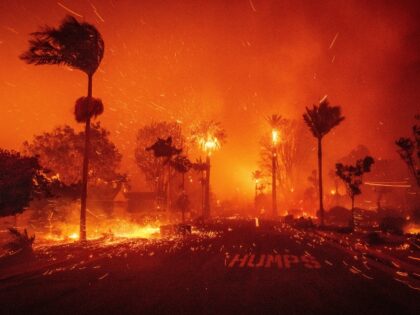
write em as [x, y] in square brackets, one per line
[320, 120]
[209, 135]
[80, 46]
[275, 121]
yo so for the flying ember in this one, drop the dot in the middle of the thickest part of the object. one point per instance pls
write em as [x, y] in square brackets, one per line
[209, 157]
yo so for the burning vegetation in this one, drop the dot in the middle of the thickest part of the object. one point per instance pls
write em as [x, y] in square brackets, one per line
[199, 149]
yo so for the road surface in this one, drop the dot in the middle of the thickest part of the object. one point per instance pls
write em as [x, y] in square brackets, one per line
[232, 267]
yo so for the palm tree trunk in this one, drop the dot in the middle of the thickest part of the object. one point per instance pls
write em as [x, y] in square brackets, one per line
[183, 191]
[168, 190]
[256, 196]
[321, 204]
[207, 190]
[274, 184]
[85, 170]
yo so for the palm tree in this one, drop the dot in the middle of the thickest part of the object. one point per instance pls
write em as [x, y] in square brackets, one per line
[320, 120]
[209, 135]
[275, 121]
[80, 46]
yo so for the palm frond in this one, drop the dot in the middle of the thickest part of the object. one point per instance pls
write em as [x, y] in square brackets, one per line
[86, 108]
[78, 45]
[322, 118]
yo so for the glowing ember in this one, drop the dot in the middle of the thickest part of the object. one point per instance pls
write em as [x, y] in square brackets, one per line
[74, 236]
[117, 229]
[412, 229]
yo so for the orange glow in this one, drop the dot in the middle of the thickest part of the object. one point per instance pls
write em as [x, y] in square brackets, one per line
[115, 228]
[209, 144]
[275, 136]
[74, 236]
[175, 61]
[412, 229]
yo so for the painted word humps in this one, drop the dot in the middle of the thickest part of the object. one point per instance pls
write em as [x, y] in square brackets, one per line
[269, 260]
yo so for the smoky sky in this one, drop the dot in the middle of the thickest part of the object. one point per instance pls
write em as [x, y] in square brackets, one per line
[232, 61]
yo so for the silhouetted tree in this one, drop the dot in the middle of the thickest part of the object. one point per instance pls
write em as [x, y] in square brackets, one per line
[409, 150]
[21, 179]
[80, 46]
[320, 120]
[154, 168]
[352, 175]
[62, 149]
[164, 149]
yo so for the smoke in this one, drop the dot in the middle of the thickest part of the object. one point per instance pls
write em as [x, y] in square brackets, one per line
[225, 60]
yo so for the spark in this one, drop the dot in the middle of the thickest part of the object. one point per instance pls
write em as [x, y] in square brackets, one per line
[69, 10]
[10, 29]
[413, 287]
[323, 98]
[414, 258]
[252, 5]
[96, 12]
[104, 276]
[388, 185]
[333, 41]
[366, 276]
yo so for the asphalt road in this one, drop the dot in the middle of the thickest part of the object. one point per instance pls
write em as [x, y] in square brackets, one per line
[232, 267]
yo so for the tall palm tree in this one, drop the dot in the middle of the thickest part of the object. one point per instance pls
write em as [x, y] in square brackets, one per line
[320, 120]
[209, 135]
[80, 46]
[276, 122]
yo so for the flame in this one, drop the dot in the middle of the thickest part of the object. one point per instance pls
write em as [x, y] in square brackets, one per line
[119, 229]
[275, 136]
[412, 229]
[74, 236]
[209, 144]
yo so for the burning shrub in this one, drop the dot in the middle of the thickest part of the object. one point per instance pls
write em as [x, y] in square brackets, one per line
[20, 241]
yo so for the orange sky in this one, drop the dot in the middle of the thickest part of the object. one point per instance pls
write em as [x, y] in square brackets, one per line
[234, 61]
